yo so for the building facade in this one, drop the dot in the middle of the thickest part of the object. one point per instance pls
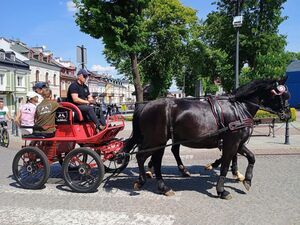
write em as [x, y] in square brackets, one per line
[41, 66]
[14, 78]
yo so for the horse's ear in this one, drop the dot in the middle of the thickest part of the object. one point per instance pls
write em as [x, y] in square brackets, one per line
[283, 80]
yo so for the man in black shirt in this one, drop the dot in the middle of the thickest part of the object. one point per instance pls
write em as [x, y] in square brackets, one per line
[79, 94]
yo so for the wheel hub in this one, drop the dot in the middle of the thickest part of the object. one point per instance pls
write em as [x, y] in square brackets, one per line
[29, 168]
[83, 169]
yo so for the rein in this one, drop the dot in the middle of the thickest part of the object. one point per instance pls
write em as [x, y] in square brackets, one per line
[180, 142]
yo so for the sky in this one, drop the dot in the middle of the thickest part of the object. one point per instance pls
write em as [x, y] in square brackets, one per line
[51, 23]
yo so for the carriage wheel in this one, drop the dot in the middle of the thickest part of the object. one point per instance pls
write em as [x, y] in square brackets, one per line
[31, 168]
[117, 164]
[5, 138]
[83, 170]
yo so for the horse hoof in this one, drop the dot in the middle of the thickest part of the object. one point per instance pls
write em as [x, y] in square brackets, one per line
[238, 176]
[149, 174]
[208, 167]
[224, 195]
[137, 186]
[247, 184]
[186, 174]
[169, 193]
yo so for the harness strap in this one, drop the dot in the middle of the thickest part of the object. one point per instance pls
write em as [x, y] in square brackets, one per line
[217, 111]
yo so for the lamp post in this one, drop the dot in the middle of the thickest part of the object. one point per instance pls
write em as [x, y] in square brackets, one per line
[237, 23]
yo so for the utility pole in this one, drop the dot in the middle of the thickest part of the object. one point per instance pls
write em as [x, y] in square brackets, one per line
[81, 56]
[15, 101]
[237, 23]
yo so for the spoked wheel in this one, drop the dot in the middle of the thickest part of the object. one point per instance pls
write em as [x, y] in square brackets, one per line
[117, 163]
[5, 138]
[83, 170]
[31, 168]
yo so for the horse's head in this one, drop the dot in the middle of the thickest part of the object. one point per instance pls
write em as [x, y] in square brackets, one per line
[275, 98]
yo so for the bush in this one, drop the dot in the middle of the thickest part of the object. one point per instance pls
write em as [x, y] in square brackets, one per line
[128, 118]
[265, 114]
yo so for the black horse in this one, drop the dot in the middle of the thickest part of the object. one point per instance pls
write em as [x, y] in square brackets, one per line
[194, 124]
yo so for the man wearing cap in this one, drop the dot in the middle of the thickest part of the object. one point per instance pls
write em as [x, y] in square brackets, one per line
[38, 88]
[79, 94]
[25, 117]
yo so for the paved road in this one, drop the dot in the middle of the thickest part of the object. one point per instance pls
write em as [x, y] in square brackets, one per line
[274, 198]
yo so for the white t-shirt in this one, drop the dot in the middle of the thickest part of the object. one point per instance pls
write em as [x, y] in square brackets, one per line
[3, 113]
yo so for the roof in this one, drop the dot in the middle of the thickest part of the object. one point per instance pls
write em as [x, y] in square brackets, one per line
[19, 48]
[294, 66]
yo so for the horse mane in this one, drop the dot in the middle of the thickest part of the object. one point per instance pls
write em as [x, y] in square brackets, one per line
[246, 90]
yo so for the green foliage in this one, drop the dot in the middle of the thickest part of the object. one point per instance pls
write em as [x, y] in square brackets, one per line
[261, 47]
[264, 114]
[120, 26]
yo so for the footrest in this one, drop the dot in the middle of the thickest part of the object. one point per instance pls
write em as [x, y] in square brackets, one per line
[32, 136]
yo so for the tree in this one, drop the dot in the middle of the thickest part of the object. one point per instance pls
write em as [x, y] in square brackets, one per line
[261, 47]
[171, 28]
[119, 24]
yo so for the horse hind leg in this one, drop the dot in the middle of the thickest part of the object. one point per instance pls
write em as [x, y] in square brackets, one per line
[141, 158]
[161, 186]
[182, 169]
[213, 165]
[150, 170]
[234, 169]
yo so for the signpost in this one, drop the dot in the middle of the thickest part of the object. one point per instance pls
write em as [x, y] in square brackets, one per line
[81, 56]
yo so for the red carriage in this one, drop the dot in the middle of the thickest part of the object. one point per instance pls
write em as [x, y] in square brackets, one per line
[83, 167]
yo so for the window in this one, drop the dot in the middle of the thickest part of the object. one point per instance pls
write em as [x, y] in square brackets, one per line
[47, 77]
[37, 76]
[54, 79]
[13, 57]
[2, 56]
[2, 79]
[63, 85]
[20, 81]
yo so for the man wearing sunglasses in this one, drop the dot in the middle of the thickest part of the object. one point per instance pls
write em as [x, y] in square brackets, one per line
[79, 94]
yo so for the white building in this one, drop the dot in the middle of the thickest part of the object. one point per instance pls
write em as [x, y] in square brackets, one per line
[41, 66]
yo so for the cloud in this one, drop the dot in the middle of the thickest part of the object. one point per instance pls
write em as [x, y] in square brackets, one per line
[103, 69]
[71, 6]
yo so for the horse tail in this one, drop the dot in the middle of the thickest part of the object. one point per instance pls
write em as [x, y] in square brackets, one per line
[136, 136]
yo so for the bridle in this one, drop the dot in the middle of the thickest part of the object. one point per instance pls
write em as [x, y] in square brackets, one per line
[279, 91]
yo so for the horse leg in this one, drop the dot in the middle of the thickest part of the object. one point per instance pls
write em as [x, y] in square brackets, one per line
[213, 165]
[234, 169]
[182, 169]
[229, 151]
[141, 158]
[249, 171]
[161, 186]
[150, 171]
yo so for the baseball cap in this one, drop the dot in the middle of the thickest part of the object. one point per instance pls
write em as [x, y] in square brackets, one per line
[84, 72]
[40, 85]
[31, 94]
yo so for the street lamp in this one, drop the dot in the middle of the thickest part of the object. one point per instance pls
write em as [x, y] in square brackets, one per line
[237, 23]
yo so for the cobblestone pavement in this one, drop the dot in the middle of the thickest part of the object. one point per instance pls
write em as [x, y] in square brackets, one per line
[274, 197]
